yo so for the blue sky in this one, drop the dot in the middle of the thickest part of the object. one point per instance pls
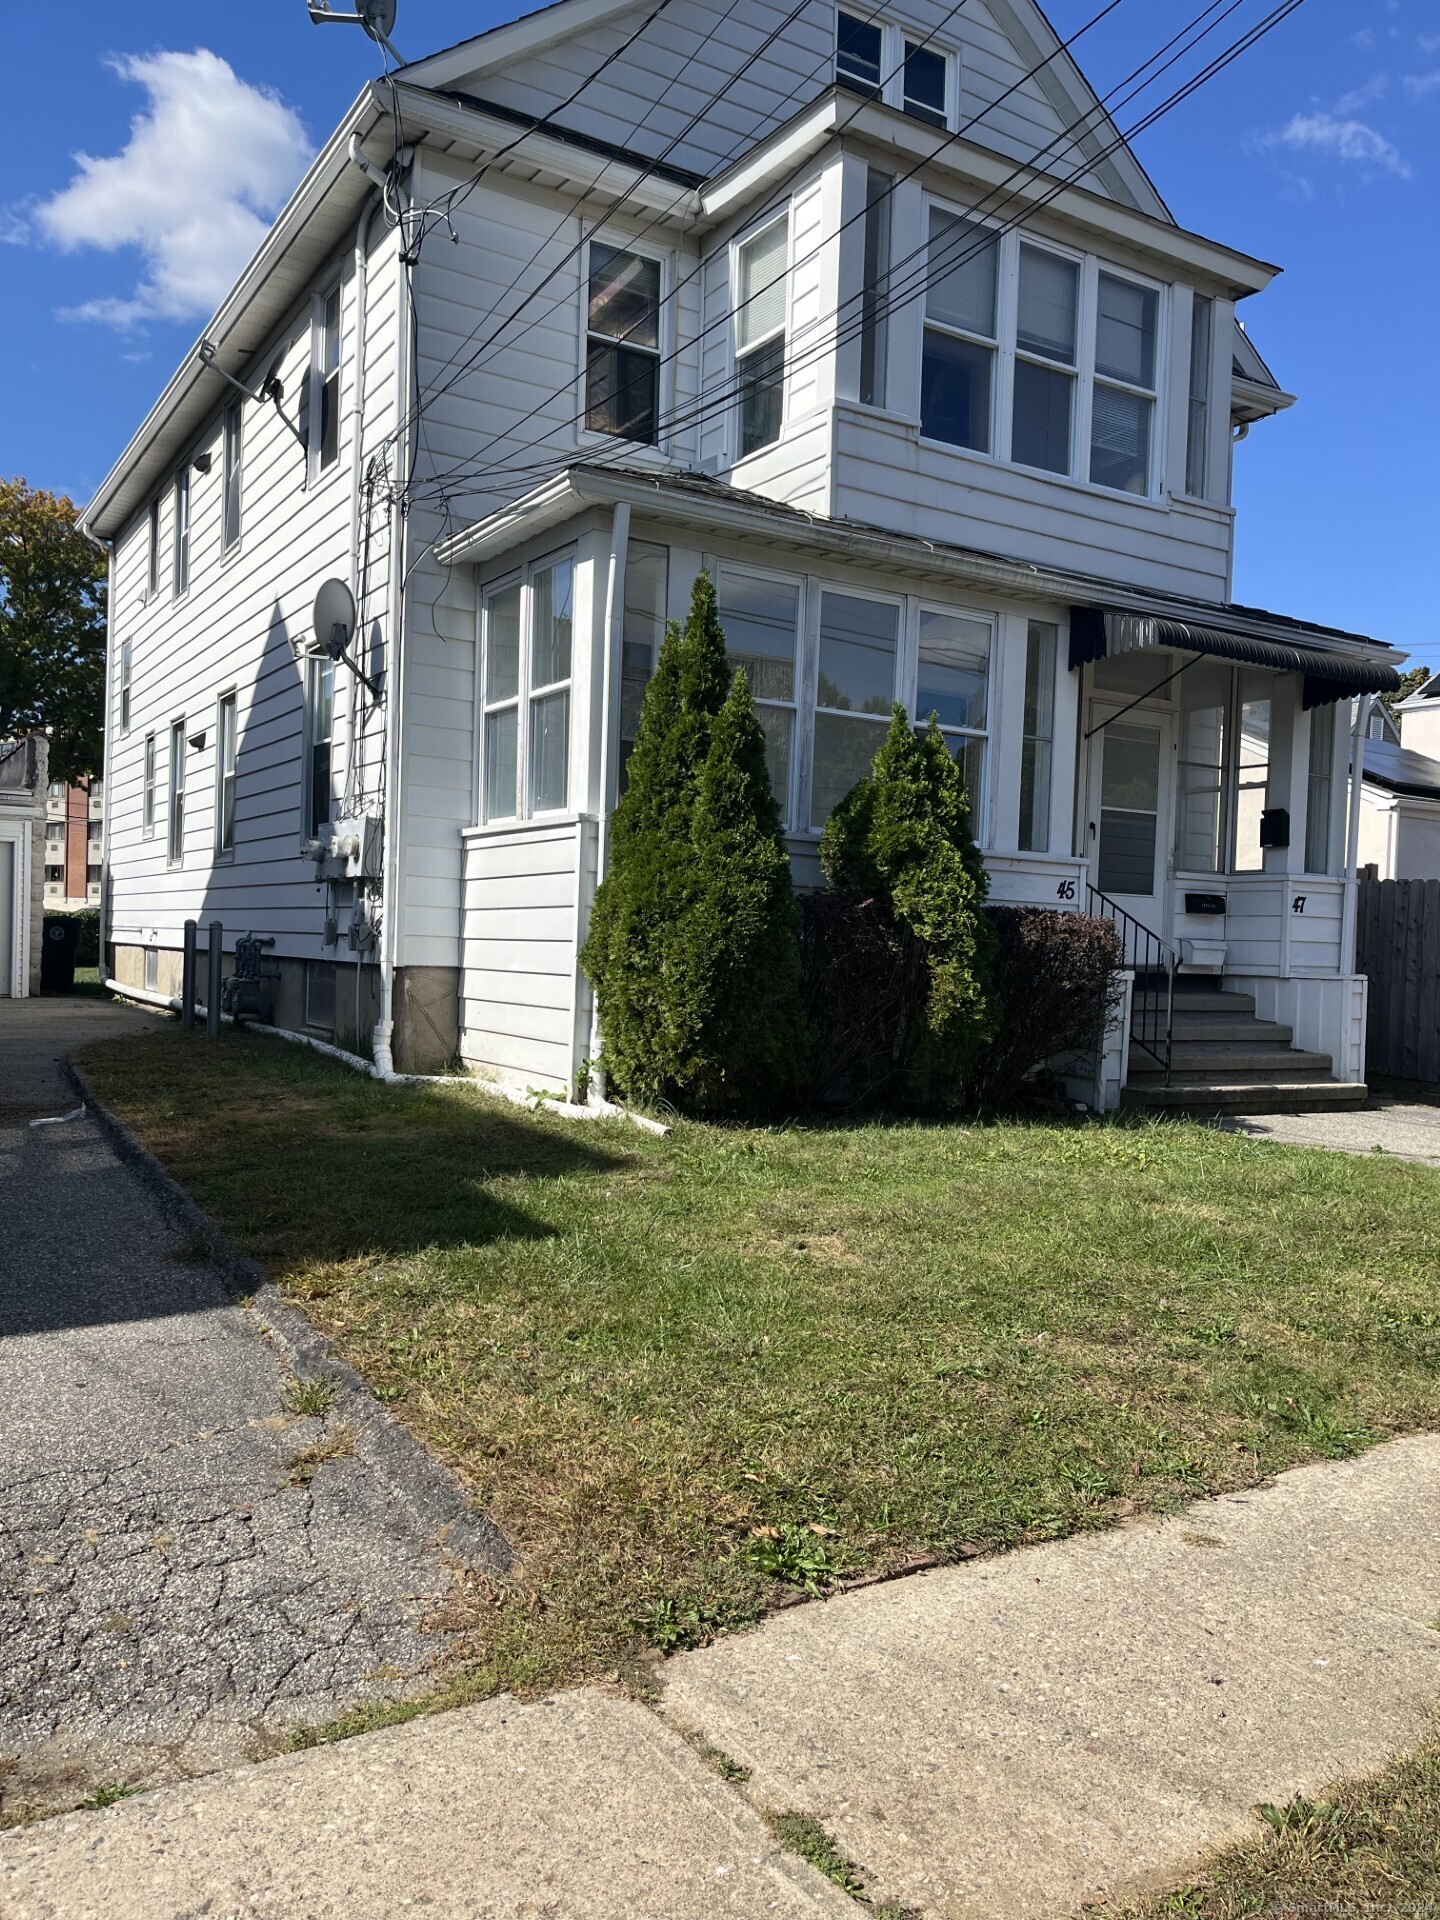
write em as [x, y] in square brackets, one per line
[1319, 150]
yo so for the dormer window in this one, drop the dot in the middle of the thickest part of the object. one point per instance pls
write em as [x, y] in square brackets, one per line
[622, 351]
[924, 94]
[858, 45]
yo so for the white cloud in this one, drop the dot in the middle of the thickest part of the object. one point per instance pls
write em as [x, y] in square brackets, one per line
[1364, 39]
[207, 164]
[1346, 139]
[1418, 85]
[1429, 43]
[1374, 88]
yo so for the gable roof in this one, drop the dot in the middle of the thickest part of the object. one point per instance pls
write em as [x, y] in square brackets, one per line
[1023, 22]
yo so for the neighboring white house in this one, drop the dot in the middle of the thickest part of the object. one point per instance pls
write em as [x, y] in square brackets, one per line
[1400, 794]
[877, 320]
[22, 858]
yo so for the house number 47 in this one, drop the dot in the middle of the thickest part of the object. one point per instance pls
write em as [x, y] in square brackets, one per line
[1297, 905]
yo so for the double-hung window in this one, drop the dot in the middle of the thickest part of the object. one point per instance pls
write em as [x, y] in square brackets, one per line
[859, 47]
[854, 691]
[622, 349]
[147, 788]
[175, 849]
[952, 682]
[1197, 441]
[761, 619]
[761, 298]
[319, 741]
[957, 371]
[528, 641]
[324, 432]
[152, 571]
[1037, 738]
[125, 659]
[923, 96]
[230, 502]
[1123, 405]
[181, 580]
[1046, 345]
[225, 746]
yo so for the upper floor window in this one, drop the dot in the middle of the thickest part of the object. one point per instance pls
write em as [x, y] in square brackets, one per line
[325, 380]
[182, 532]
[1045, 344]
[125, 686]
[225, 746]
[1197, 439]
[1123, 403]
[858, 45]
[527, 656]
[230, 504]
[622, 352]
[760, 286]
[152, 567]
[957, 372]
[761, 618]
[924, 89]
[875, 294]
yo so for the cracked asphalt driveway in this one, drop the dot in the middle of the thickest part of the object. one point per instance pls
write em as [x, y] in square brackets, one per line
[176, 1592]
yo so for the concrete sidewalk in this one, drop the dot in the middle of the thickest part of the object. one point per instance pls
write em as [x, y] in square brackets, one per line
[1006, 1738]
[1407, 1130]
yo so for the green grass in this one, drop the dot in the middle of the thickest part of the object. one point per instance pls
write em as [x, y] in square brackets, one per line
[687, 1376]
[1368, 1847]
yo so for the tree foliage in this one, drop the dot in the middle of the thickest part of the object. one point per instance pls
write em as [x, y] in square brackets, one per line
[1410, 682]
[903, 835]
[52, 629]
[694, 938]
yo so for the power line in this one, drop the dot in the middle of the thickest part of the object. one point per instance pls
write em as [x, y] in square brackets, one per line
[900, 292]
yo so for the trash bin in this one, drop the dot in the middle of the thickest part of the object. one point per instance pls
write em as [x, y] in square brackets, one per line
[57, 953]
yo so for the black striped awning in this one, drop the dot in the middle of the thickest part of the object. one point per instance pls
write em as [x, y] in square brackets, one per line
[1098, 633]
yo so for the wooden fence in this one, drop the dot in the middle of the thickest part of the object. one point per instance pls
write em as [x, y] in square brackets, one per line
[1398, 947]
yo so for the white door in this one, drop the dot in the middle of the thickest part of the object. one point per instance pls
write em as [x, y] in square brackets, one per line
[7, 916]
[1130, 795]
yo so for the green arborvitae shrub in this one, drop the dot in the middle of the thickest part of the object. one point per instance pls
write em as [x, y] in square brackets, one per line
[1057, 988]
[694, 944]
[903, 835]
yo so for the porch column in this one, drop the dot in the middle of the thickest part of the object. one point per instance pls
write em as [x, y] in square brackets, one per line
[1359, 730]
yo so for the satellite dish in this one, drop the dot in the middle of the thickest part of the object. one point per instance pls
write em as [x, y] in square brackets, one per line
[378, 18]
[334, 617]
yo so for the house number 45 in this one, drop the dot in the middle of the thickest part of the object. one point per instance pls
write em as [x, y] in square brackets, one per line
[1065, 890]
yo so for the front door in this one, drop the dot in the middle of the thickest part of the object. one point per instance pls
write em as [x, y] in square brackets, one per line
[1129, 809]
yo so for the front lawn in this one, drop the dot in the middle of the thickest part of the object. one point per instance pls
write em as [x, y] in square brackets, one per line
[689, 1375]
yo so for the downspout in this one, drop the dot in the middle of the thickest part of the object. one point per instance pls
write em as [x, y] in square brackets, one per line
[355, 784]
[107, 547]
[395, 685]
[613, 638]
[1363, 707]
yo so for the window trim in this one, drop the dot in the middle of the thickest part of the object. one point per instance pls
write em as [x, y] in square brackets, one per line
[739, 356]
[225, 776]
[232, 470]
[175, 796]
[522, 701]
[662, 351]
[149, 770]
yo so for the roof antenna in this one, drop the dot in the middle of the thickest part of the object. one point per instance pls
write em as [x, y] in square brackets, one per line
[377, 17]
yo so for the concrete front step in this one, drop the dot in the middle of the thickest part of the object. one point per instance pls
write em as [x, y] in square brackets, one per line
[1211, 1027]
[1234, 1062]
[1294, 1096]
[1211, 1000]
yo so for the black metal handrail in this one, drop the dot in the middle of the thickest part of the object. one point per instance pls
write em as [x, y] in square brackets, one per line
[1154, 963]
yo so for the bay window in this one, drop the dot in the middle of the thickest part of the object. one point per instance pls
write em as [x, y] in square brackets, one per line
[952, 683]
[761, 620]
[1037, 742]
[527, 654]
[760, 301]
[1045, 360]
[1123, 406]
[647, 579]
[854, 691]
[957, 370]
[622, 351]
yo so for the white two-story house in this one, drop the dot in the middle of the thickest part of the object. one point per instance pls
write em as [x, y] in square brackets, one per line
[875, 316]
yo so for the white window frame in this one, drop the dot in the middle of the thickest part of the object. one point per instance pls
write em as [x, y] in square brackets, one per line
[663, 351]
[316, 659]
[175, 796]
[152, 571]
[526, 694]
[123, 679]
[1082, 373]
[905, 628]
[149, 771]
[182, 507]
[1000, 378]
[1199, 408]
[800, 743]
[891, 88]
[317, 377]
[232, 474]
[227, 754]
[980, 810]
[781, 332]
